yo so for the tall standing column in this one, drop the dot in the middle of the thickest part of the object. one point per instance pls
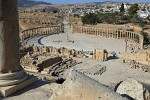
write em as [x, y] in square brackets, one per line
[141, 42]
[11, 73]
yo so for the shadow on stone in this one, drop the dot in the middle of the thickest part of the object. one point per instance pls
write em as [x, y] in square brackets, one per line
[79, 86]
[147, 86]
[39, 40]
[60, 81]
[117, 86]
[124, 95]
[133, 90]
[112, 57]
[37, 84]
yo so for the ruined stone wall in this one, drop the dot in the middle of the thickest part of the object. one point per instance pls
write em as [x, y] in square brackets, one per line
[58, 51]
[148, 57]
[139, 56]
[50, 30]
[100, 54]
[49, 62]
[110, 33]
[38, 63]
[134, 56]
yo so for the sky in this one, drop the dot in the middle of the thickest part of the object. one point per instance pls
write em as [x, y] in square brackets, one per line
[86, 1]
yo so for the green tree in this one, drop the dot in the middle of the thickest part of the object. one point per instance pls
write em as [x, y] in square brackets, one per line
[110, 18]
[122, 10]
[76, 15]
[90, 18]
[133, 9]
[134, 18]
[146, 37]
[55, 11]
[137, 38]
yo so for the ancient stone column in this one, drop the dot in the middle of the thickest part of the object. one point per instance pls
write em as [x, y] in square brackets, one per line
[141, 42]
[11, 73]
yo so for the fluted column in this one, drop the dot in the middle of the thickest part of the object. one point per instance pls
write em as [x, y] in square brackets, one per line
[10, 70]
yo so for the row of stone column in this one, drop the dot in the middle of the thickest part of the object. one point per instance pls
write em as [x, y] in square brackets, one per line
[39, 31]
[105, 32]
[110, 33]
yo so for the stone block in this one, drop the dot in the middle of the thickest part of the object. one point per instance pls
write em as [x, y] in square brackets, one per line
[78, 86]
[8, 90]
[132, 88]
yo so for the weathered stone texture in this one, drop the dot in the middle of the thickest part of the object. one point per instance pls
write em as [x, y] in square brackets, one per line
[134, 89]
[100, 54]
[9, 37]
[11, 73]
[137, 56]
[80, 87]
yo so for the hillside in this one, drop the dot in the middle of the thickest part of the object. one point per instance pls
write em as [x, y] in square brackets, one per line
[29, 3]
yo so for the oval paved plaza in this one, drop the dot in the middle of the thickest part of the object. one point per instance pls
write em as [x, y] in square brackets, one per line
[85, 42]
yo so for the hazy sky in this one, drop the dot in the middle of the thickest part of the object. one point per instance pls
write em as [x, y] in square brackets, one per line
[85, 1]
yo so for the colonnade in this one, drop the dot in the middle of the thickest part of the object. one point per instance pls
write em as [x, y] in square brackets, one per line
[40, 31]
[110, 33]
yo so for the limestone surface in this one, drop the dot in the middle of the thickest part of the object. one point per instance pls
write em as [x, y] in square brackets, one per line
[80, 87]
[133, 89]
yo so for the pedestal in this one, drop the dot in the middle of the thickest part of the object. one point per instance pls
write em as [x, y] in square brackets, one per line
[8, 90]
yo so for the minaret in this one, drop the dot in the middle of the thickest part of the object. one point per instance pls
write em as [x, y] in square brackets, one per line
[12, 75]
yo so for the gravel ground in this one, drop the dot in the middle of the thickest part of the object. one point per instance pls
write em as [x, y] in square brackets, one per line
[116, 71]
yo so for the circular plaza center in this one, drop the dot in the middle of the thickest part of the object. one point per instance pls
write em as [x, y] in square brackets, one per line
[79, 42]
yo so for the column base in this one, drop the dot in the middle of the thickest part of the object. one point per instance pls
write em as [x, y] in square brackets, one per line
[8, 90]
